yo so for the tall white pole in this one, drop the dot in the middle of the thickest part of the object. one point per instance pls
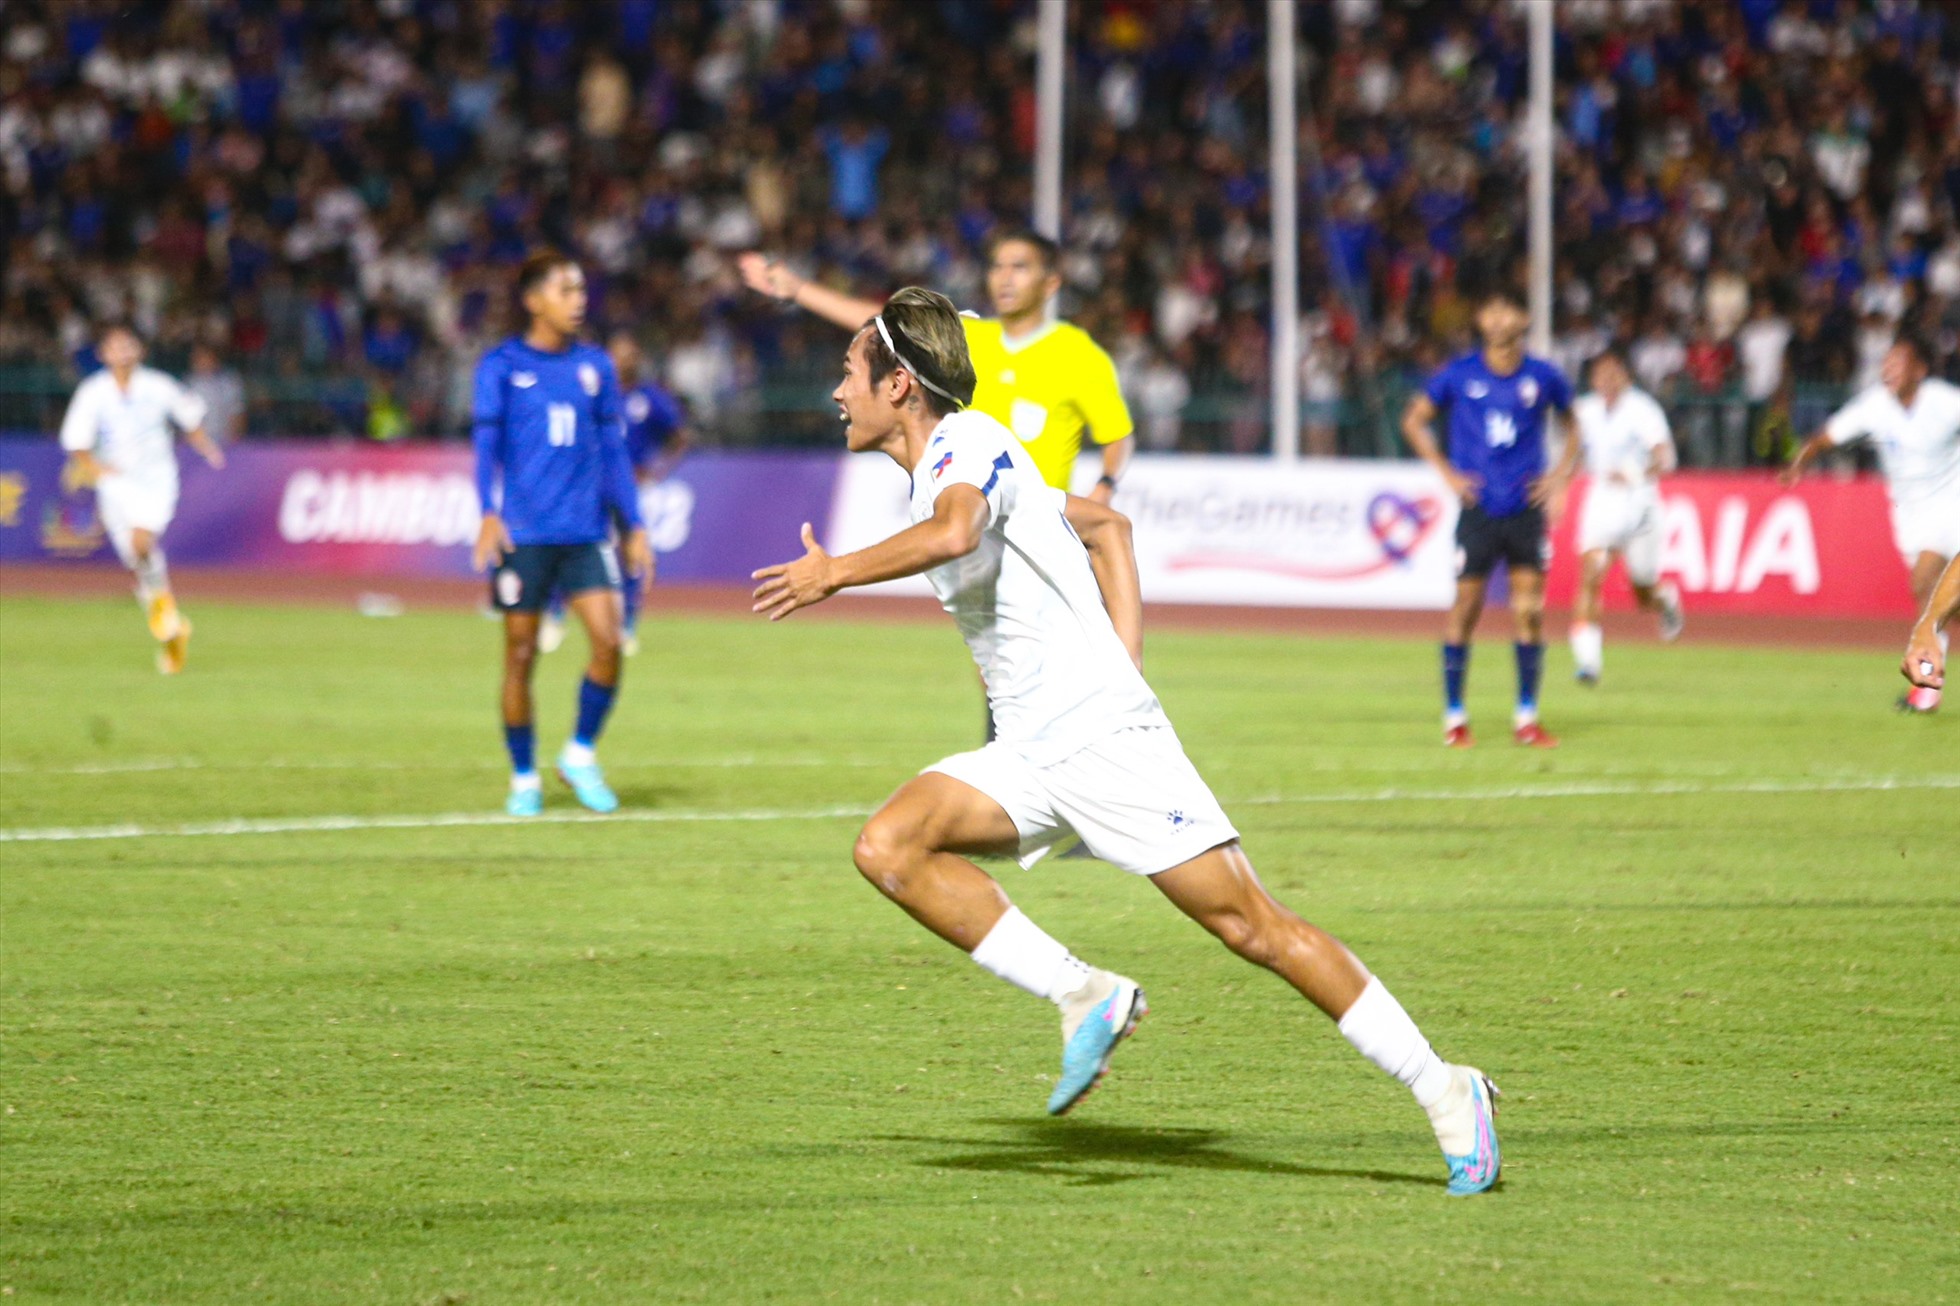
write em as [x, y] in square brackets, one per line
[1538, 139]
[1050, 66]
[1283, 128]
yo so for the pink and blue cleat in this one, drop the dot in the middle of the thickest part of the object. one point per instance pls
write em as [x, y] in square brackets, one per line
[1475, 1171]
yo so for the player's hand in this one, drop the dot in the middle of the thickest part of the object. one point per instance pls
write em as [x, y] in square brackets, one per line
[793, 585]
[1463, 485]
[214, 456]
[1102, 493]
[1548, 493]
[640, 561]
[1925, 661]
[768, 276]
[492, 543]
[82, 471]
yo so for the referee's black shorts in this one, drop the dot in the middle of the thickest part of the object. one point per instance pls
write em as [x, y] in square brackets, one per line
[1483, 542]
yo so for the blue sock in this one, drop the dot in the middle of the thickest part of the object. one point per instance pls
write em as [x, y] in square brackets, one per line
[594, 701]
[520, 741]
[1531, 662]
[1456, 669]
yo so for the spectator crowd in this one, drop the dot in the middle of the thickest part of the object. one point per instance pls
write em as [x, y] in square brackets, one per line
[314, 207]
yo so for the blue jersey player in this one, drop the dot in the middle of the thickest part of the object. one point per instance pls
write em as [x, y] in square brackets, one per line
[1499, 403]
[656, 440]
[552, 475]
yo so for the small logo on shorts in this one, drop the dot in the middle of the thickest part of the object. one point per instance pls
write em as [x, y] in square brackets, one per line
[1179, 820]
[510, 587]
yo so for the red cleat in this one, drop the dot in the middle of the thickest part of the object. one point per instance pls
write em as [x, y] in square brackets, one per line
[1532, 735]
[1457, 737]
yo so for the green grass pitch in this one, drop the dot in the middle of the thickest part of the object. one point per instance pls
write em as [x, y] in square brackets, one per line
[1709, 950]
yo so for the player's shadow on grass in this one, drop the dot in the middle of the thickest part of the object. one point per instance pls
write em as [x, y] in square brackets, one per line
[1093, 1155]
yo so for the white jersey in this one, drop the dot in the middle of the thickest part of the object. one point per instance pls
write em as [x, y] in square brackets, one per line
[1620, 440]
[129, 430]
[1918, 447]
[1027, 603]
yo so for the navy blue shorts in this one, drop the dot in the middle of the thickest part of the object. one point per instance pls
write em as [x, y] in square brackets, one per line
[1484, 541]
[525, 579]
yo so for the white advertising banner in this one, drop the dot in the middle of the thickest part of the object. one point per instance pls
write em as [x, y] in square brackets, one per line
[1334, 533]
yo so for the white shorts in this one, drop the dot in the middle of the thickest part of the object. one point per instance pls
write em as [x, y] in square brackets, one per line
[127, 506]
[1927, 527]
[1133, 799]
[1625, 520]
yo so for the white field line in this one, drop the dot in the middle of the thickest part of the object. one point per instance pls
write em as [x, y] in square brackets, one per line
[326, 824]
[138, 765]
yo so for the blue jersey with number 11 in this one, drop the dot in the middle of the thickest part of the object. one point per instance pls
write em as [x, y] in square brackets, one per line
[1497, 424]
[550, 449]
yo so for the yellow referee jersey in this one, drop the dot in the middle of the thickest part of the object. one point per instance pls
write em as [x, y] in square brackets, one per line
[1046, 389]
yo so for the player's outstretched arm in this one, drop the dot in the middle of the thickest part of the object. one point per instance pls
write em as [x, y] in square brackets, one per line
[958, 521]
[1925, 661]
[1813, 449]
[1105, 533]
[208, 449]
[774, 278]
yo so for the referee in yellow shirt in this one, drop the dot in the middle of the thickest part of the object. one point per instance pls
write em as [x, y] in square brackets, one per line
[1047, 382]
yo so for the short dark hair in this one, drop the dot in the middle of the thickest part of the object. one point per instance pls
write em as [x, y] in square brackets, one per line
[1051, 253]
[1505, 292]
[537, 265]
[108, 326]
[1612, 351]
[1920, 346]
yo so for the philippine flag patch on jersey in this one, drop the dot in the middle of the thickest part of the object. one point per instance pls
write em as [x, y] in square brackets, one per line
[945, 461]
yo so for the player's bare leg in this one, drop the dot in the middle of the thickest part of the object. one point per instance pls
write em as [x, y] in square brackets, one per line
[520, 661]
[1458, 627]
[598, 610]
[911, 851]
[169, 627]
[1926, 569]
[1220, 890]
[1587, 639]
[1528, 625]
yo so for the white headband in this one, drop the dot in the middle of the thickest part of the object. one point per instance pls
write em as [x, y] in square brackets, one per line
[884, 334]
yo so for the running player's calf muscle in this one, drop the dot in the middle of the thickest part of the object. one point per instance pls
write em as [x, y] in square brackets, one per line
[1220, 890]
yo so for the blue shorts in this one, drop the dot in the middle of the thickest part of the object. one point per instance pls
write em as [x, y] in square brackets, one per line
[525, 579]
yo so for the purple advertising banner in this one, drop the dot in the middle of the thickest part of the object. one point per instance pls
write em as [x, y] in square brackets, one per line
[407, 510]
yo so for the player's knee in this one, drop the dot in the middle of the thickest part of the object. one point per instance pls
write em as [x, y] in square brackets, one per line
[520, 655]
[883, 853]
[1244, 934]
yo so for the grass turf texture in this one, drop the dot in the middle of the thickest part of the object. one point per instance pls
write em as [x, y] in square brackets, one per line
[702, 1061]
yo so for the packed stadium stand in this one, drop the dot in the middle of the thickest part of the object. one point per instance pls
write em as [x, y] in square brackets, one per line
[313, 207]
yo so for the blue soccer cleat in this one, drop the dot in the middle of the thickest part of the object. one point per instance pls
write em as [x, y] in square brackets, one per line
[588, 785]
[1477, 1170]
[527, 801]
[1086, 1053]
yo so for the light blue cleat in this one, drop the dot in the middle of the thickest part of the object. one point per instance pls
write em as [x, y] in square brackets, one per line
[1086, 1053]
[589, 785]
[1477, 1171]
[528, 801]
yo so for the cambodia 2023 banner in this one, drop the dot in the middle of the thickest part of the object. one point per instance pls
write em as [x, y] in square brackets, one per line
[405, 510]
[1319, 533]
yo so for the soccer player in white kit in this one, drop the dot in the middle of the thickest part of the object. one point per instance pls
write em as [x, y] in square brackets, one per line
[1043, 586]
[1628, 449]
[117, 436]
[1913, 419]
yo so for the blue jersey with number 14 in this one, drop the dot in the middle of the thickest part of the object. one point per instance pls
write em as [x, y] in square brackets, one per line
[1497, 424]
[550, 448]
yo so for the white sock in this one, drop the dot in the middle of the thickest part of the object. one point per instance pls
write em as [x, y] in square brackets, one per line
[152, 575]
[1382, 1032]
[1020, 952]
[577, 754]
[1454, 717]
[522, 780]
[1523, 717]
[1588, 646]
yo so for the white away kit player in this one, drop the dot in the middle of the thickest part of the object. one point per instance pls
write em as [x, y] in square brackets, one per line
[1913, 421]
[117, 436]
[1043, 586]
[1628, 448]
